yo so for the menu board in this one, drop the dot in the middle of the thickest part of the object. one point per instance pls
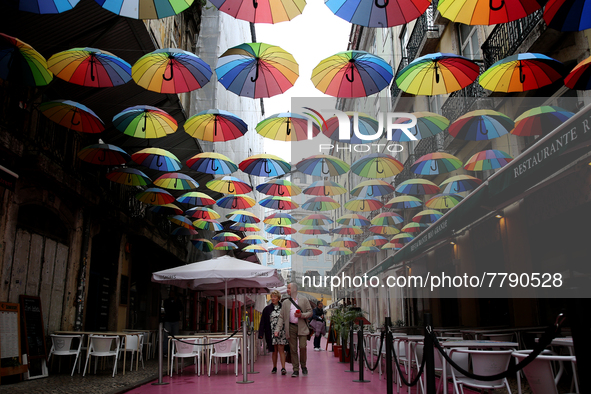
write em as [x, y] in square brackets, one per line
[33, 326]
[9, 330]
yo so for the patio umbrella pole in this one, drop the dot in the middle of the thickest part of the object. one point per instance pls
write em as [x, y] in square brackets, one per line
[226, 307]
[160, 355]
[244, 352]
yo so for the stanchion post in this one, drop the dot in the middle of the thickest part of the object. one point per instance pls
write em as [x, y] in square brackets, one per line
[351, 356]
[244, 352]
[388, 339]
[360, 353]
[160, 355]
[252, 348]
[429, 354]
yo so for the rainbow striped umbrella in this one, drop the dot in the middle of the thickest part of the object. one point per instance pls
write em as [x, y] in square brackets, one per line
[428, 125]
[129, 176]
[242, 216]
[427, 216]
[253, 240]
[280, 230]
[225, 246]
[265, 165]
[181, 231]
[377, 165]
[347, 230]
[367, 249]
[490, 159]
[236, 201]
[72, 115]
[417, 186]
[202, 244]
[212, 163]
[46, 7]
[257, 70]
[316, 242]
[352, 74]
[414, 227]
[280, 219]
[443, 201]
[202, 213]
[325, 187]
[374, 240]
[372, 188]
[226, 237]
[367, 126]
[540, 120]
[176, 181]
[367, 204]
[340, 251]
[284, 242]
[316, 219]
[486, 12]
[155, 196]
[255, 249]
[90, 67]
[393, 246]
[437, 73]
[522, 72]
[375, 13]
[245, 227]
[281, 251]
[171, 70]
[261, 11]
[145, 9]
[313, 230]
[568, 15]
[353, 219]
[215, 125]
[208, 224]
[403, 202]
[279, 187]
[309, 252]
[144, 121]
[403, 238]
[383, 230]
[436, 163]
[281, 203]
[580, 77]
[322, 165]
[387, 219]
[345, 242]
[322, 203]
[105, 154]
[229, 185]
[157, 159]
[196, 198]
[166, 209]
[459, 183]
[20, 63]
[481, 125]
[286, 126]
[181, 221]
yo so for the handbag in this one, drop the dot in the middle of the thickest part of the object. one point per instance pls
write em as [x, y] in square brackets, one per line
[310, 329]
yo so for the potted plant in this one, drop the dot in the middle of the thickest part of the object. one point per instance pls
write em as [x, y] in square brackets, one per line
[342, 319]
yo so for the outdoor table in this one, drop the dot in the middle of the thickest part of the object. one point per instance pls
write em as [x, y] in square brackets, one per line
[473, 345]
[518, 331]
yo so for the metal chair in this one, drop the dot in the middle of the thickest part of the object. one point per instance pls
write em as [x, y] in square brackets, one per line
[61, 345]
[541, 373]
[484, 363]
[102, 346]
[183, 349]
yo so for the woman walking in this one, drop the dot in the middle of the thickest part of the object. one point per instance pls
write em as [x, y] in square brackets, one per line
[268, 326]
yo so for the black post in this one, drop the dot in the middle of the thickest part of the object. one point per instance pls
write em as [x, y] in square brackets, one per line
[360, 353]
[388, 339]
[580, 324]
[428, 353]
[351, 358]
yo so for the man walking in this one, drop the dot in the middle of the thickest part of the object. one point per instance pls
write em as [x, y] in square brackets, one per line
[295, 311]
[318, 325]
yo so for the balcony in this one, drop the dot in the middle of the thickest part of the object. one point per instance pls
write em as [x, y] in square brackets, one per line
[462, 101]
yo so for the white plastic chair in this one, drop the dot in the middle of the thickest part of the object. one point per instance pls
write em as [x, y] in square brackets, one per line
[540, 373]
[229, 348]
[61, 345]
[102, 346]
[133, 344]
[184, 350]
[484, 363]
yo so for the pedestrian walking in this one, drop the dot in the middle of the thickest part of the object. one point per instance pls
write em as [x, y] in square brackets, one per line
[318, 324]
[270, 324]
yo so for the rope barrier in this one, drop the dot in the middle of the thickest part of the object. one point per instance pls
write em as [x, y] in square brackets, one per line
[416, 379]
[201, 344]
[379, 354]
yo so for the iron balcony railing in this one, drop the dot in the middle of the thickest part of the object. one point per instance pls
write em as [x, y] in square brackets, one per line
[462, 101]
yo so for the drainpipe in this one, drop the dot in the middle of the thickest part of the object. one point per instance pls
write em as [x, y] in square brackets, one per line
[82, 274]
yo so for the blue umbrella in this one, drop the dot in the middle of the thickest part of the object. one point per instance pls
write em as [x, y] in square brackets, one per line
[568, 15]
[378, 13]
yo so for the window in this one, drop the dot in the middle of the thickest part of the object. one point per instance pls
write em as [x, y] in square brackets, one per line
[403, 37]
[469, 44]
[285, 259]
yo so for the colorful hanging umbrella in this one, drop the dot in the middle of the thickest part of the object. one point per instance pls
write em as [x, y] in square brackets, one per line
[46, 7]
[393, 246]
[253, 240]
[372, 188]
[226, 237]
[403, 238]
[281, 230]
[437, 73]
[181, 231]
[155, 196]
[367, 249]
[255, 249]
[352, 74]
[225, 246]
[202, 244]
[261, 11]
[90, 67]
[580, 77]
[313, 230]
[171, 70]
[347, 230]
[257, 70]
[202, 213]
[540, 120]
[105, 154]
[414, 227]
[72, 115]
[279, 187]
[322, 203]
[215, 125]
[280, 219]
[176, 181]
[367, 204]
[284, 242]
[19, 62]
[281, 203]
[242, 216]
[403, 202]
[568, 15]
[374, 240]
[245, 227]
[428, 125]
[129, 176]
[287, 126]
[229, 185]
[367, 126]
[166, 209]
[490, 159]
[377, 165]
[144, 121]
[353, 219]
[387, 219]
[443, 201]
[322, 165]
[196, 198]
[375, 13]
[486, 12]
[265, 165]
[522, 72]
[208, 224]
[345, 242]
[436, 163]
[157, 159]
[316, 242]
[309, 252]
[481, 125]
[427, 216]
[325, 187]
[236, 201]
[212, 163]
[181, 221]
[383, 230]
[417, 186]
[281, 251]
[145, 9]
[459, 183]
[316, 219]
[340, 251]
